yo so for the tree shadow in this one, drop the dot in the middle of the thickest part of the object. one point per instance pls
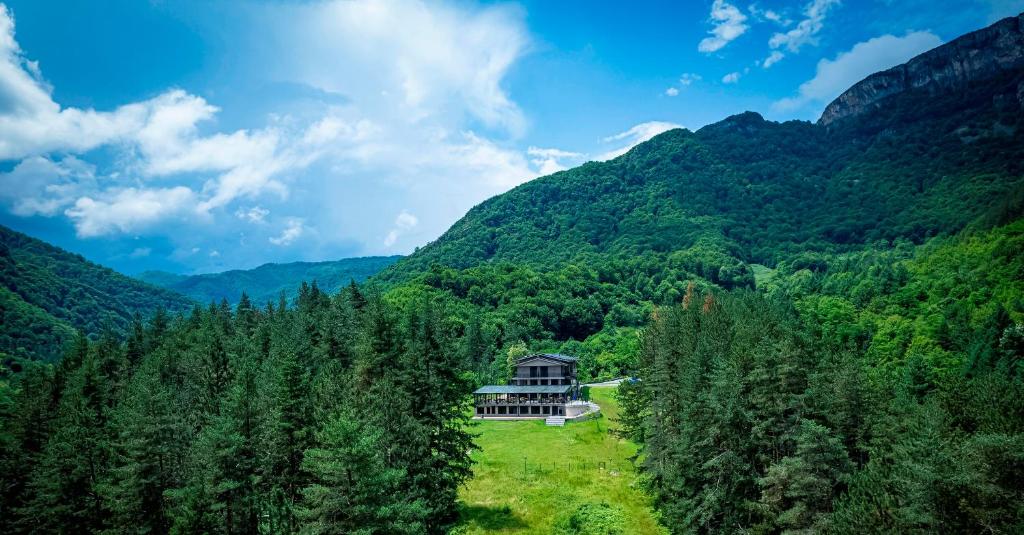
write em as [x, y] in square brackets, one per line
[497, 517]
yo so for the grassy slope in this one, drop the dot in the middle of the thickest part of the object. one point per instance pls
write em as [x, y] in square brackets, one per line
[502, 498]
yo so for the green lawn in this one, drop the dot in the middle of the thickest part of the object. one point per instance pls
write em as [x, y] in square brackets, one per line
[517, 490]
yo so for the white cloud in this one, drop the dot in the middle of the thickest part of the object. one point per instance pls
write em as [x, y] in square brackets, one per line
[635, 136]
[731, 78]
[404, 221]
[729, 25]
[41, 186]
[292, 231]
[254, 214]
[689, 78]
[424, 122]
[805, 32]
[160, 136]
[772, 59]
[128, 209]
[437, 58]
[832, 77]
[549, 161]
[140, 252]
[769, 15]
[671, 91]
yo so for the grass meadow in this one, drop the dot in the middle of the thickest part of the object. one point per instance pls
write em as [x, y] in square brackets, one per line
[577, 479]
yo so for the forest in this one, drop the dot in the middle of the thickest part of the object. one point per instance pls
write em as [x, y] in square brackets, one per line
[48, 293]
[342, 414]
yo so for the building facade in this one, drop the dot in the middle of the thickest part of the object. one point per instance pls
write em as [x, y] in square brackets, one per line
[543, 385]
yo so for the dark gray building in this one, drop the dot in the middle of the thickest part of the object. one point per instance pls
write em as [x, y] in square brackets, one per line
[543, 385]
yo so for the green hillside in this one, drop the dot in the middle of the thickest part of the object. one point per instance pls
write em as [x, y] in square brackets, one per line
[48, 293]
[267, 282]
[574, 262]
[746, 190]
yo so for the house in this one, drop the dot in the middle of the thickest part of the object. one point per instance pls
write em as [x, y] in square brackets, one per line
[543, 385]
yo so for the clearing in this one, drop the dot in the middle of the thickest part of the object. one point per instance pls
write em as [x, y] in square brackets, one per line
[517, 489]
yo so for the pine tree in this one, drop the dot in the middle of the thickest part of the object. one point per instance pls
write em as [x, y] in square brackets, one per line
[354, 490]
[144, 461]
[64, 488]
[435, 379]
[797, 491]
[355, 296]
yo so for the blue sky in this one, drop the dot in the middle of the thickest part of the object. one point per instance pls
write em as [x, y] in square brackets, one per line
[197, 136]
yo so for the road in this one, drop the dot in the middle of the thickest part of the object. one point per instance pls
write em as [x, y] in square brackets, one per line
[613, 382]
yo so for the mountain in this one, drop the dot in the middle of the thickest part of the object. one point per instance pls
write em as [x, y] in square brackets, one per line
[921, 150]
[48, 293]
[266, 282]
[984, 54]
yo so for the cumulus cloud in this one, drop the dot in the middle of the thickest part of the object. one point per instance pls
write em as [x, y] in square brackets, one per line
[419, 118]
[435, 58]
[41, 186]
[635, 136]
[671, 92]
[549, 161]
[128, 209]
[834, 76]
[731, 78]
[404, 222]
[729, 25]
[805, 32]
[292, 231]
[160, 138]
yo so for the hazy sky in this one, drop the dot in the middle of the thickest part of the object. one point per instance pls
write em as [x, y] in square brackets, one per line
[197, 136]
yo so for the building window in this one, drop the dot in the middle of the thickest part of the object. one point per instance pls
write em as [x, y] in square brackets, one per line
[479, 410]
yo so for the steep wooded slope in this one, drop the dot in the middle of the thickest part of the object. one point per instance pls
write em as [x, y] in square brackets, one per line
[46, 293]
[920, 161]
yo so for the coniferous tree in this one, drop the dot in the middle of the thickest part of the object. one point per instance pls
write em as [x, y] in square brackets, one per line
[354, 489]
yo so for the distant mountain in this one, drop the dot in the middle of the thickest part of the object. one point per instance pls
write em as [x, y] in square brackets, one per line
[47, 293]
[266, 282]
[922, 150]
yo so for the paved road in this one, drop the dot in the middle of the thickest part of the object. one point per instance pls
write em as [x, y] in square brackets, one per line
[613, 382]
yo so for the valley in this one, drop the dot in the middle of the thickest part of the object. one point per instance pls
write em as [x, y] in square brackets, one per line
[823, 324]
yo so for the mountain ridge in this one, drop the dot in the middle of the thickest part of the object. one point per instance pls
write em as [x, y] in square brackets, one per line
[745, 190]
[266, 282]
[971, 57]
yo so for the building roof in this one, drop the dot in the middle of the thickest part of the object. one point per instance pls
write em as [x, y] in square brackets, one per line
[552, 356]
[531, 389]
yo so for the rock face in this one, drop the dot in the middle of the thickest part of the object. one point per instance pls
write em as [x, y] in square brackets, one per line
[975, 56]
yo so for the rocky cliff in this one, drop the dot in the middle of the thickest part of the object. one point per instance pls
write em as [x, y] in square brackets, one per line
[973, 57]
